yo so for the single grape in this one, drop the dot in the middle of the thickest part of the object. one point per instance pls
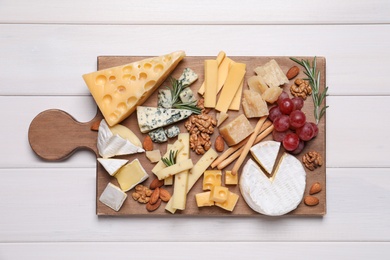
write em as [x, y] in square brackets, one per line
[274, 112]
[297, 118]
[282, 96]
[306, 132]
[279, 136]
[315, 127]
[291, 142]
[298, 103]
[282, 123]
[300, 147]
[286, 106]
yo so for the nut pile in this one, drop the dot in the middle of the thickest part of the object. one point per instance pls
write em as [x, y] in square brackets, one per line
[301, 88]
[312, 160]
[152, 196]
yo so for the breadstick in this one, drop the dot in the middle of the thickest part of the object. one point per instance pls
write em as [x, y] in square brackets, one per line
[234, 148]
[237, 153]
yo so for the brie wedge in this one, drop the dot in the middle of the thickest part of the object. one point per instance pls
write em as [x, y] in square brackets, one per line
[130, 175]
[277, 195]
[113, 197]
[112, 166]
[110, 145]
[265, 154]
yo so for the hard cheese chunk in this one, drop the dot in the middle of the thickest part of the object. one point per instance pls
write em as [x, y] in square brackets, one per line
[230, 203]
[153, 156]
[272, 74]
[113, 197]
[254, 105]
[237, 130]
[150, 118]
[130, 175]
[257, 84]
[212, 178]
[119, 90]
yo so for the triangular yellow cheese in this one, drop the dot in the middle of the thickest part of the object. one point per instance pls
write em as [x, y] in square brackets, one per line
[119, 90]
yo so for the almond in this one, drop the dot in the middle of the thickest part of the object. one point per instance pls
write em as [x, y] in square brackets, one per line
[156, 183]
[155, 196]
[219, 144]
[95, 125]
[292, 72]
[148, 143]
[153, 207]
[164, 195]
[315, 188]
[311, 201]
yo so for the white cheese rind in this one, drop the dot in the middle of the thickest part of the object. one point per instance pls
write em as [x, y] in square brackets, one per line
[113, 197]
[112, 165]
[150, 118]
[265, 154]
[278, 196]
[110, 145]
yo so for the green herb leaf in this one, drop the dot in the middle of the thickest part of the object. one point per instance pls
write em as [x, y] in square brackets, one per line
[176, 88]
[171, 159]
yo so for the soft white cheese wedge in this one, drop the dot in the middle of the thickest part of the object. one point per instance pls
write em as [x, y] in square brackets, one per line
[277, 195]
[112, 165]
[265, 154]
[130, 175]
[113, 197]
[110, 145]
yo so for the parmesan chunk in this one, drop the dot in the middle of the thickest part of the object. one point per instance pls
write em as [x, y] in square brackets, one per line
[254, 105]
[237, 130]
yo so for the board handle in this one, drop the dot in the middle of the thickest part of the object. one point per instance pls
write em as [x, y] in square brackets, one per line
[55, 135]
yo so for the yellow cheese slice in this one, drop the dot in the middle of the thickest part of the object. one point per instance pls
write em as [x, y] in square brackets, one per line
[174, 169]
[223, 71]
[230, 203]
[119, 90]
[169, 180]
[236, 102]
[211, 80]
[130, 175]
[221, 57]
[232, 83]
[176, 147]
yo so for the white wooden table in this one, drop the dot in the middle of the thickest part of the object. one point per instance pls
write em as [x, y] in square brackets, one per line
[48, 209]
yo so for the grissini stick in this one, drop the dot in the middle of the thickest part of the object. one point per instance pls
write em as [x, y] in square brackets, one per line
[237, 153]
[236, 147]
[248, 145]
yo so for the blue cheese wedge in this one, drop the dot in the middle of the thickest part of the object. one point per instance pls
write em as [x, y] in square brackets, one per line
[187, 96]
[158, 135]
[110, 145]
[277, 195]
[164, 98]
[112, 166]
[150, 118]
[188, 77]
[113, 197]
[172, 131]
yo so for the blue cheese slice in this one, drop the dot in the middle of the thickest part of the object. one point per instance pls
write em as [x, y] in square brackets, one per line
[172, 131]
[188, 77]
[158, 135]
[150, 118]
[187, 96]
[164, 98]
[113, 197]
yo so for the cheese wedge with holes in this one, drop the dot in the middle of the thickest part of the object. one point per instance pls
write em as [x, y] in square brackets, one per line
[277, 195]
[265, 154]
[119, 90]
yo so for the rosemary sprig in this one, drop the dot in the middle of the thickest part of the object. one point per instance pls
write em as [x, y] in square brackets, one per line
[314, 77]
[171, 159]
[176, 88]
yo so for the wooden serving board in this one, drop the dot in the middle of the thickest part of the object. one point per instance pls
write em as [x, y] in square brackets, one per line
[55, 135]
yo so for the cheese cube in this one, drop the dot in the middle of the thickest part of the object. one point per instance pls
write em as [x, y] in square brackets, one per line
[113, 197]
[212, 178]
[237, 130]
[130, 175]
[254, 105]
[203, 199]
[153, 156]
[231, 179]
[230, 203]
[219, 194]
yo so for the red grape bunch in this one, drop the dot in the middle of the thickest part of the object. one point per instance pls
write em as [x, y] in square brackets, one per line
[290, 125]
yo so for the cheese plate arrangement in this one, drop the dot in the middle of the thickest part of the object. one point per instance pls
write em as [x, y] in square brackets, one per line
[178, 135]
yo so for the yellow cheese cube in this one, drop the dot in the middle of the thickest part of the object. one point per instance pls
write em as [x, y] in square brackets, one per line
[212, 178]
[203, 199]
[230, 203]
[231, 179]
[211, 80]
[254, 105]
[119, 90]
[237, 130]
[219, 194]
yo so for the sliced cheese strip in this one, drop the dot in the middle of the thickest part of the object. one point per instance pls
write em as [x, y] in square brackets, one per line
[119, 90]
[210, 81]
[174, 169]
[113, 197]
[220, 58]
[175, 147]
[112, 166]
[276, 196]
[110, 145]
[236, 102]
[130, 175]
[265, 154]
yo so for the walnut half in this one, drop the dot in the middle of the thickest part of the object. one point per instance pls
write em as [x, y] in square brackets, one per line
[301, 88]
[312, 160]
[142, 194]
